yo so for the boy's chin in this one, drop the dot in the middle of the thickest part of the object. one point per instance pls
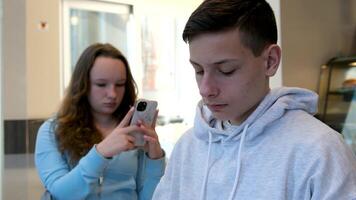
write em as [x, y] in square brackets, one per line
[221, 116]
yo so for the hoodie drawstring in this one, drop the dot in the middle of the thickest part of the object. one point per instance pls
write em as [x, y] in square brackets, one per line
[238, 168]
[202, 192]
[239, 163]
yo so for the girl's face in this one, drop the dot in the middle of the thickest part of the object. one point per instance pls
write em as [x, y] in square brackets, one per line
[107, 86]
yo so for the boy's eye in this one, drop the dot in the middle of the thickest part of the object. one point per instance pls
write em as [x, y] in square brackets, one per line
[227, 72]
[197, 69]
[199, 72]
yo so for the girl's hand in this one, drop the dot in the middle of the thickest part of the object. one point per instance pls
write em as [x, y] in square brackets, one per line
[152, 146]
[119, 140]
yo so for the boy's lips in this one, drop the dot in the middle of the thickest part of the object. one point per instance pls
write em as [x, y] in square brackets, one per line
[216, 107]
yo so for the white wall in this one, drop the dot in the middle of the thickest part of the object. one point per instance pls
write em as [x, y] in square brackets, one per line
[1, 101]
[14, 59]
[276, 80]
[31, 58]
[42, 58]
[312, 33]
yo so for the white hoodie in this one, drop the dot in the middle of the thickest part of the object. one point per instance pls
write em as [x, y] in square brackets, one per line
[279, 152]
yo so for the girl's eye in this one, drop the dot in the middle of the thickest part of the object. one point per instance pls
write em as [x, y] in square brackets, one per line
[101, 84]
[120, 84]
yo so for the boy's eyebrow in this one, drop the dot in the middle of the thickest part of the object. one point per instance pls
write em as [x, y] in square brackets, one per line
[193, 62]
[223, 61]
[226, 61]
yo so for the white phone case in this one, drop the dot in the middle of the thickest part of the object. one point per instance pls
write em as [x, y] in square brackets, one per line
[145, 111]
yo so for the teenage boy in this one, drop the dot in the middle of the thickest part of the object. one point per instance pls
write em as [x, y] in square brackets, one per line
[250, 142]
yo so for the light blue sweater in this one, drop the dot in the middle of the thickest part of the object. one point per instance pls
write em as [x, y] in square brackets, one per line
[130, 175]
[280, 152]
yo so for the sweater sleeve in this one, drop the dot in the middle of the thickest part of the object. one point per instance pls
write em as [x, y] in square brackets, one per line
[55, 173]
[170, 183]
[149, 174]
[164, 188]
[333, 171]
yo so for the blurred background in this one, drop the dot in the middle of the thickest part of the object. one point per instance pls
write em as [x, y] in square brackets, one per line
[41, 41]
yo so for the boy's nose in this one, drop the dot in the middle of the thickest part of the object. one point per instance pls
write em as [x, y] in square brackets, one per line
[208, 87]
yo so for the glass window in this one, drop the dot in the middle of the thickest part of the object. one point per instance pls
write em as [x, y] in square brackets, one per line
[157, 55]
[88, 22]
[168, 76]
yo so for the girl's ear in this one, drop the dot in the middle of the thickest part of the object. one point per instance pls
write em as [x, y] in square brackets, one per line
[273, 58]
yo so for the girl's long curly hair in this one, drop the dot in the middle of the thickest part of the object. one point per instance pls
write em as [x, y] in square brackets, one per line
[75, 130]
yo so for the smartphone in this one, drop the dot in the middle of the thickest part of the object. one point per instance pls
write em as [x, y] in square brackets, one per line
[145, 110]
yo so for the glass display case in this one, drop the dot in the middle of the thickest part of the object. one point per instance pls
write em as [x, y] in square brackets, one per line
[337, 97]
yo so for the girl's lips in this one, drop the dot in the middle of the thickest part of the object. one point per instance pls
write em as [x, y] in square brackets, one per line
[110, 104]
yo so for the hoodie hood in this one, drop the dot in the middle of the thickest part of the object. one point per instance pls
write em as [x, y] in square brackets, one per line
[275, 104]
[273, 153]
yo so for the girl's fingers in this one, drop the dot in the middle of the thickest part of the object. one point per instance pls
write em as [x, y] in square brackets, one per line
[131, 139]
[124, 122]
[150, 139]
[130, 143]
[128, 129]
[148, 131]
[155, 119]
[153, 125]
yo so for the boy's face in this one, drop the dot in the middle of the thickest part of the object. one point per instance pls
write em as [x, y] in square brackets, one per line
[231, 80]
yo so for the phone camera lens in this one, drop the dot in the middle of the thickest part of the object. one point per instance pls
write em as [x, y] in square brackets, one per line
[141, 106]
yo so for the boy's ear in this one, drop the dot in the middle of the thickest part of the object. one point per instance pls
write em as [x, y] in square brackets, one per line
[273, 58]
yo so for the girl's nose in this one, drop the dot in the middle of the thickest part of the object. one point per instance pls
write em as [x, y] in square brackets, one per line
[111, 92]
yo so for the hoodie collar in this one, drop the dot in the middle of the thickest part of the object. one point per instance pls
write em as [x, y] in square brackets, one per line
[273, 106]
